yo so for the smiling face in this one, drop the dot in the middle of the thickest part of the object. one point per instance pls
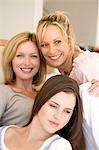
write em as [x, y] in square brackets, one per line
[54, 46]
[56, 112]
[26, 61]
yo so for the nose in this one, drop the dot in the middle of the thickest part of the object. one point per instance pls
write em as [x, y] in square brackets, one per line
[27, 60]
[52, 49]
[58, 115]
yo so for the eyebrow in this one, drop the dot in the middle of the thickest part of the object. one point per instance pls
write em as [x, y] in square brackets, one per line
[57, 38]
[55, 103]
[20, 52]
[59, 105]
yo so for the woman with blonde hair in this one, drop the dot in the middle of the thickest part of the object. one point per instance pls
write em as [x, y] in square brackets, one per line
[23, 68]
[57, 43]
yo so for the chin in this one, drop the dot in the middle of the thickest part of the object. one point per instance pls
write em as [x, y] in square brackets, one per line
[53, 65]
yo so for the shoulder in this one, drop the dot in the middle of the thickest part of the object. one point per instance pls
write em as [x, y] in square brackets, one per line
[58, 143]
[3, 131]
[1, 135]
[86, 56]
[85, 86]
[5, 91]
[4, 128]
[4, 87]
[61, 143]
[86, 67]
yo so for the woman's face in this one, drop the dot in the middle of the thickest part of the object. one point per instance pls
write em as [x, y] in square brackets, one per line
[54, 46]
[56, 112]
[26, 61]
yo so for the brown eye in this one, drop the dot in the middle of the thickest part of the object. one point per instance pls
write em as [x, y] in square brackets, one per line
[68, 111]
[19, 55]
[44, 45]
[58, 42]
[53, 106]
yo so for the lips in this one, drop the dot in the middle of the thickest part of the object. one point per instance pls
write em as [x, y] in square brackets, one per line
[54, 123]
[54, 57]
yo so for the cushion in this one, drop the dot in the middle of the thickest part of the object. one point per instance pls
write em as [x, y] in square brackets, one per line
[1, 69]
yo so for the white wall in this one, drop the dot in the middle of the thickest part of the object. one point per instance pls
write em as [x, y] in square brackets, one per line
[83, 15]
[23, 15]
[19, 16]
[97, 29]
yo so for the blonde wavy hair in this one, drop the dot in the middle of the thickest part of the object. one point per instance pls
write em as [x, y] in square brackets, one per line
[60, 20]
[9, 53]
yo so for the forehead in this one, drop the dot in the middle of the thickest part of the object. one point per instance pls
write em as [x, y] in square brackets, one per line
[53, 28]
[64, 99]
[28, 45]
[51, 32]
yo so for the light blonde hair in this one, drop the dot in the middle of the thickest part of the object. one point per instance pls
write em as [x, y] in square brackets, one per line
[9, 53]
[60, 20]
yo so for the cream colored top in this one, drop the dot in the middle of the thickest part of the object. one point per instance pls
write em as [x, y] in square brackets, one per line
[85, 67]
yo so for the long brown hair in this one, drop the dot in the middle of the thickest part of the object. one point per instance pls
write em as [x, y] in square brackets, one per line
[73, 130]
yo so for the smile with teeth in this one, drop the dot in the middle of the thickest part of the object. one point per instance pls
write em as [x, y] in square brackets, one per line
[26, 69]
[54, 57]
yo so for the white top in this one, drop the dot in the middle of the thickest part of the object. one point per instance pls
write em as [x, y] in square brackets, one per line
[91, 114]
[53, 143]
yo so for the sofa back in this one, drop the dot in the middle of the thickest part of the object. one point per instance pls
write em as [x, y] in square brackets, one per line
[2, 44]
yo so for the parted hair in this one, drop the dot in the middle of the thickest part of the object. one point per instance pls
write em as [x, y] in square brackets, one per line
[9, 53]
[73, 129]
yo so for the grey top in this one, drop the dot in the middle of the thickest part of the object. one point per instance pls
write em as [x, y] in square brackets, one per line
[15, 108]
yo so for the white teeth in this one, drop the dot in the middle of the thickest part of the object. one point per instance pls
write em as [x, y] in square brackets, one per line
[54, 57]
[26, 69]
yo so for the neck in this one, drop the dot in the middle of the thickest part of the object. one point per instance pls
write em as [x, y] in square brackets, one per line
[30, 137]
[24, 87]
[34, 131]
[23, 84]
[68, 64]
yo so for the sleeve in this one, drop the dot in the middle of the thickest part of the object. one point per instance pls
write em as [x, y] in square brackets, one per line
[3, 100]
[91, 113]
[85, 67]
[1, 128]
[78, 74]
[61, 144]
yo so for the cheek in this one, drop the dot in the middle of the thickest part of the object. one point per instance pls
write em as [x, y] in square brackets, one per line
[38, 63]
[13, 65]
[43, 111]
[35, 61]
[66, 119]
[15, 62]
[43, 51]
